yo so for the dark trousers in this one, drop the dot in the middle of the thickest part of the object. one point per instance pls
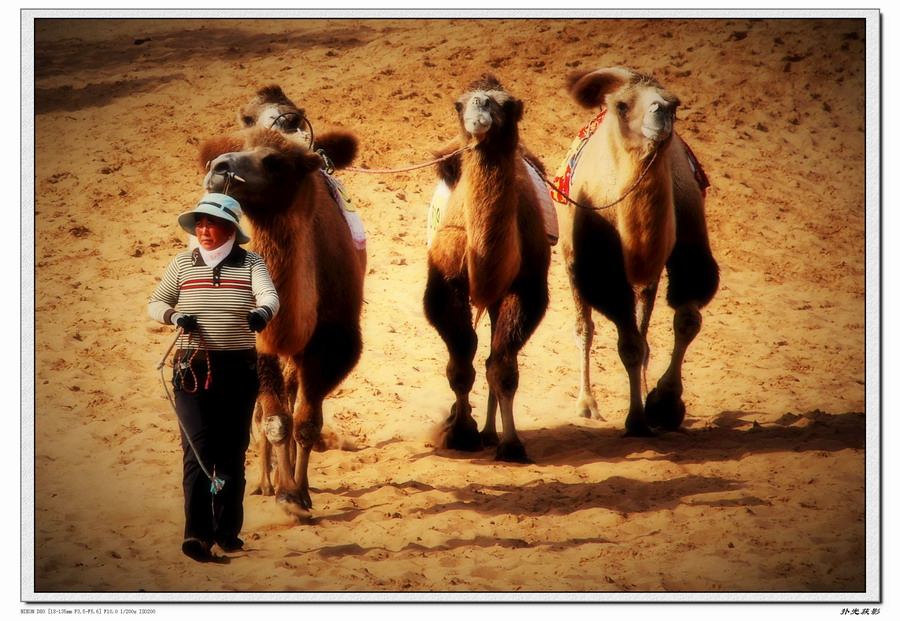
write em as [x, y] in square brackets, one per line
[217, 418]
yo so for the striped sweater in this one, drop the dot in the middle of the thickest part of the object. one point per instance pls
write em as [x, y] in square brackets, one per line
[219, 297]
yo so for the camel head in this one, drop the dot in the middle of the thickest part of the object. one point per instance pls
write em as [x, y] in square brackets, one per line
[270, 108]
[642, 107]
[260, 168]
[487, 113]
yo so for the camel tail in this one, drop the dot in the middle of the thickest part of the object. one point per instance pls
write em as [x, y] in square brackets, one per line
[478, 316]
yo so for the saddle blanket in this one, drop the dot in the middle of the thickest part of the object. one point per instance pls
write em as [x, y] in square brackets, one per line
[339, 194]
[438, 207]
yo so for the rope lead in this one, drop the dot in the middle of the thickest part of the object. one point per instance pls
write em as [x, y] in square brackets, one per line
[216, 484]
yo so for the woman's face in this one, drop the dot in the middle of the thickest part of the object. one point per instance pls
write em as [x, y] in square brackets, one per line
[212, 232]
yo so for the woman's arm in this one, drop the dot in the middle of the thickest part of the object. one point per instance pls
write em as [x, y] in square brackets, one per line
[162, 303]
[264, 289]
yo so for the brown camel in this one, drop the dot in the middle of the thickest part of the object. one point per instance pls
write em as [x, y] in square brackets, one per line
[272, 109]
[313, 262]
[490, 253]
[615, 250]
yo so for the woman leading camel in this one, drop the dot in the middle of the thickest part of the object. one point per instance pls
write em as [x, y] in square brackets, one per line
[224, 294]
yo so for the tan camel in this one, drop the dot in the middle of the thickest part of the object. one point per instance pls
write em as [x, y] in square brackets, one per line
[317, 272]
[616, 250]
[490, 253]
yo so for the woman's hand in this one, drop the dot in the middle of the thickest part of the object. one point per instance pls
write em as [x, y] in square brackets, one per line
[257, 320]
[188, 323]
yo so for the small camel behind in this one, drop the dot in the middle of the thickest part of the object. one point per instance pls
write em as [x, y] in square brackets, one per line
[310, 254]
[645, 196]
[270, 108]
[490, 253]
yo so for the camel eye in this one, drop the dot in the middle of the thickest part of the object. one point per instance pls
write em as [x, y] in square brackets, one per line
[622, 107]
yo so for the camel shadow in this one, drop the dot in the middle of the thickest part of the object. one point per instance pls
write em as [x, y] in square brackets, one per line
[618, 494]
[621, 495]
[731, 435]
[457, 543]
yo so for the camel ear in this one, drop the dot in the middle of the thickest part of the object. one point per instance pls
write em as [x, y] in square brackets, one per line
[340, 147]
[514, 109]
[590, 88]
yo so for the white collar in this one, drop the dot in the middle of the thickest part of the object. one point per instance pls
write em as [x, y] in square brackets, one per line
[213, 257]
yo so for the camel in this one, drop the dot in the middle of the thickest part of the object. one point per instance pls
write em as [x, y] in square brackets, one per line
[491, 254]
[311, 257]
[644, 192]
[272, 109]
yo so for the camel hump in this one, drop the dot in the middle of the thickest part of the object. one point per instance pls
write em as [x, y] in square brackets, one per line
[590, 88]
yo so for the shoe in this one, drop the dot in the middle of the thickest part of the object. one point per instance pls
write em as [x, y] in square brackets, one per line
[231, 544]
[197, 550]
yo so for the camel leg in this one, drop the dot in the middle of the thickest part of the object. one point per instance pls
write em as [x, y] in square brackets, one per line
[513, 321]
[275, 423]
[665, 407]
[586, 405]
[489, 435]
[447, 308]
[632, 353]
[693, 280]
[332, 352]
[264, 447]
[646, 298]
[597, 273]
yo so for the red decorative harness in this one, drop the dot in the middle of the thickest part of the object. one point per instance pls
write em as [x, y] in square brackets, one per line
[564, 174]
[563, 178]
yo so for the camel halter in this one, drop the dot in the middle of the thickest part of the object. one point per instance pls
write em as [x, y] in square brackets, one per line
[229, 177]
[303, 120]
[216, 484]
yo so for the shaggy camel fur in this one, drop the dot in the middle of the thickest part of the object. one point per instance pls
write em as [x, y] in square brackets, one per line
[490, 253]
[317, 272]
[615, 256]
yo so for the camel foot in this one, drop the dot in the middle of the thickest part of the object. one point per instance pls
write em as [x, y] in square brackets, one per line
[294, 504]
[586, 407]
[261, 490]
[664, 410]
[591, 414]
[489, 438]
[462, 433]
[638, 431]
[513, 452]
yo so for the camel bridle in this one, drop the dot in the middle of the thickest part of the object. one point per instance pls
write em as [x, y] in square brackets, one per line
[303, 121]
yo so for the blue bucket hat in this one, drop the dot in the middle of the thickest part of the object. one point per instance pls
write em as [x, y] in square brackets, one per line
[218, 205]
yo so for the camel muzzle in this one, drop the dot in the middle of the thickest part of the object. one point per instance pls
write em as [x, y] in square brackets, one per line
[477, 117]
[658, 122]
[220, 176]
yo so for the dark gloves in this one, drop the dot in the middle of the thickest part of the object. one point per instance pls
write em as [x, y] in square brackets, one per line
[188, 323]
[257, 320]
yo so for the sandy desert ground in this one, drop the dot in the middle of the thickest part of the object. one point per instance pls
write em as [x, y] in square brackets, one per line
[763, 492]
